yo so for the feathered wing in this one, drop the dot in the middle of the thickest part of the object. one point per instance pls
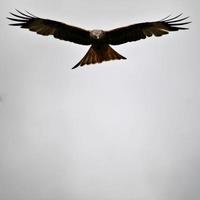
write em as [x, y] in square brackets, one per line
[47, 27]
[142, 30]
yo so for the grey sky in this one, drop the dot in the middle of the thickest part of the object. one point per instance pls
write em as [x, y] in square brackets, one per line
[122, 130]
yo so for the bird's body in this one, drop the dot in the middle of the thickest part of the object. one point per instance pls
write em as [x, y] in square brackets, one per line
[99, 51]
[99, 40]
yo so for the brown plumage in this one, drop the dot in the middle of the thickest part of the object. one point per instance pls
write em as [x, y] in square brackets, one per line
[98, 39]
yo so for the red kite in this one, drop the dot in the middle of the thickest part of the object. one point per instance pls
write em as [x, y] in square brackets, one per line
[98, 39]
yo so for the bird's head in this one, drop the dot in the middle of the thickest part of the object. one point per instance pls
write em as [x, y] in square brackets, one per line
[96, 34]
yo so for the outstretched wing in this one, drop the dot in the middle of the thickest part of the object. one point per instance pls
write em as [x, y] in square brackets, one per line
[49, 27]
[142, 30]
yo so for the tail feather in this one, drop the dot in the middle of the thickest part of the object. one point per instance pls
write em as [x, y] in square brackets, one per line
[99, 54]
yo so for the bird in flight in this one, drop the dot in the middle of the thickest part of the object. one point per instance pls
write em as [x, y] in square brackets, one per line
[100, 40]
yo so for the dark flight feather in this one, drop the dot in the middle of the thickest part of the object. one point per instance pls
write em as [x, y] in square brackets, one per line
[142, 30]
[49, 27]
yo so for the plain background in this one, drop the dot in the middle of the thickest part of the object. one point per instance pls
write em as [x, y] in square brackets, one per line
[121, 130]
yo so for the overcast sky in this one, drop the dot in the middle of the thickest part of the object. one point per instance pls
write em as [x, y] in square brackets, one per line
[121, 130]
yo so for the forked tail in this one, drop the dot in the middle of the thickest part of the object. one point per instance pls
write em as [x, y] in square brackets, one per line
[98, 54]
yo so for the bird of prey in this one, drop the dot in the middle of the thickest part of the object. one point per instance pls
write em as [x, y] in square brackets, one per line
[99, 40]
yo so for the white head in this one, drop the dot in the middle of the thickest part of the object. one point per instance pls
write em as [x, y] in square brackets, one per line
[96, 34]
